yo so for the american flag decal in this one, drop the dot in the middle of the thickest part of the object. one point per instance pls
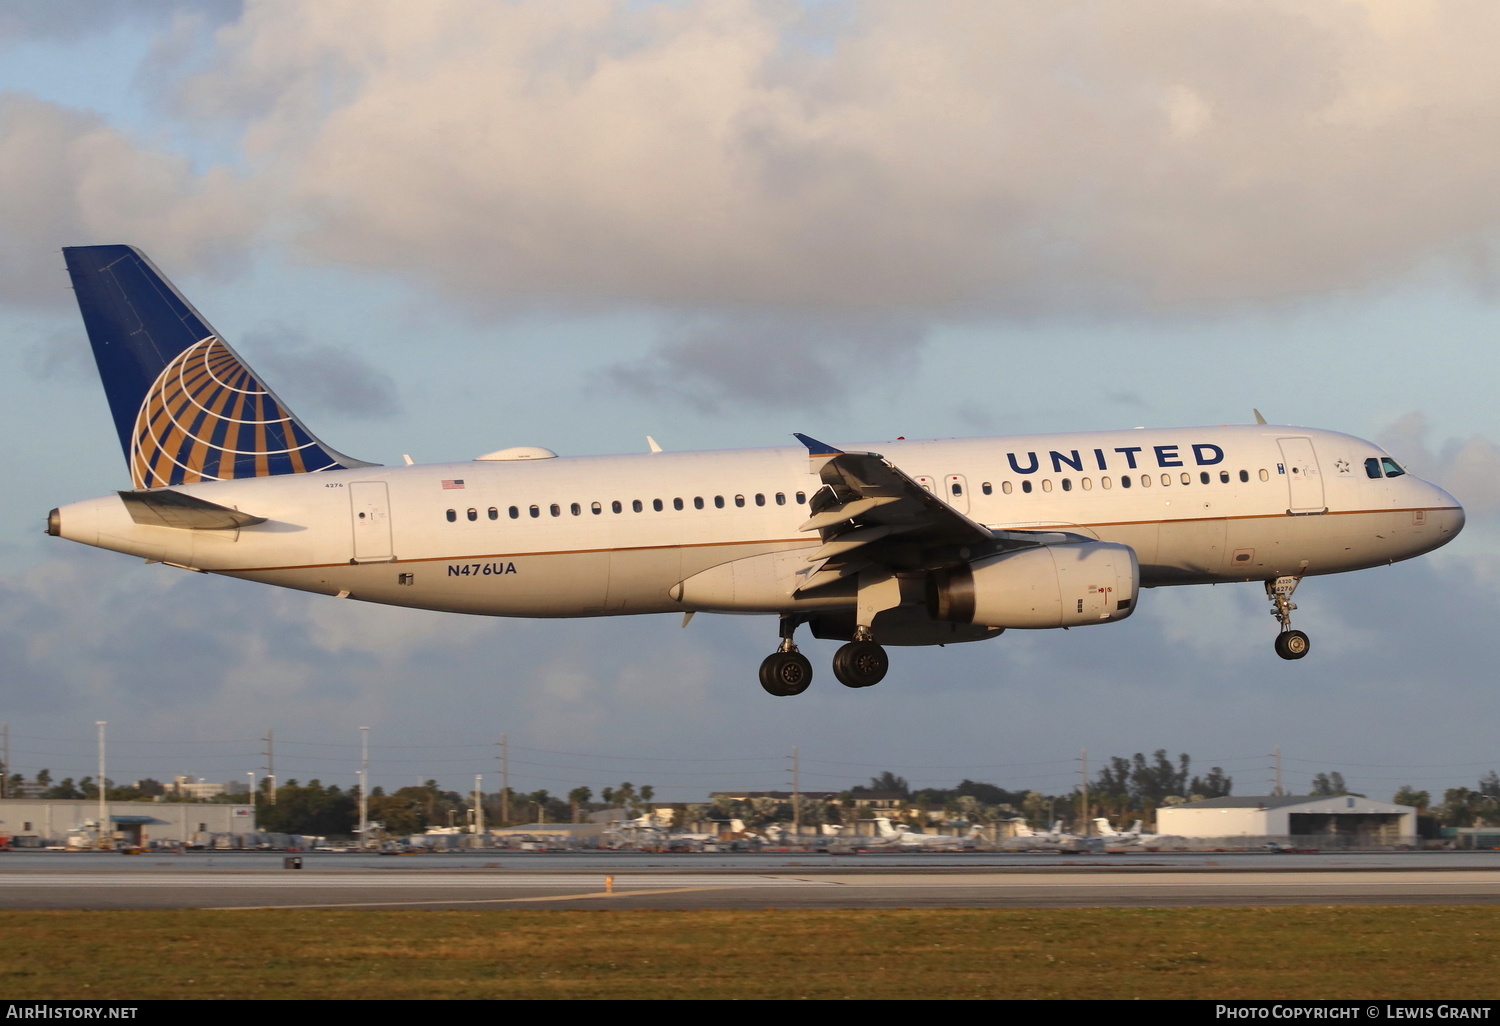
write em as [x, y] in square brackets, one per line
[456, 483]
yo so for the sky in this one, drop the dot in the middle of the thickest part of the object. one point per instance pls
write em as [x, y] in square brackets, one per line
[446, 228]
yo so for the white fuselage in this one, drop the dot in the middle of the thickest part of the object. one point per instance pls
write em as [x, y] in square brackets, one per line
[607, 535]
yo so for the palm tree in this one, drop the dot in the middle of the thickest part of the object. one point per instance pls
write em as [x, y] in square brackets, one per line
[576, 798]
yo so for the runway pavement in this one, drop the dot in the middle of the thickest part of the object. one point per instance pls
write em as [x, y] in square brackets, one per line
[102, 881]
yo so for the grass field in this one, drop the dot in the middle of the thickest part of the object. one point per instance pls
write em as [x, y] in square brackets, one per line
[1344, 952]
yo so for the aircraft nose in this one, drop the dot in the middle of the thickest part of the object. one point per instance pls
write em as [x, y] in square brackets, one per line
[1450, 513]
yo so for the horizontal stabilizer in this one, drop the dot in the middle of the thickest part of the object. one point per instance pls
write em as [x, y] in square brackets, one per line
[166, 508]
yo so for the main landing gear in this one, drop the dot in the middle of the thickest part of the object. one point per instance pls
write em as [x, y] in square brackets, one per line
[786, 672]
[1290, 644]
[861, 663]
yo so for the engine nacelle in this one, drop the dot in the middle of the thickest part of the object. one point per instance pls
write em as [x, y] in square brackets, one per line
[1066, 585]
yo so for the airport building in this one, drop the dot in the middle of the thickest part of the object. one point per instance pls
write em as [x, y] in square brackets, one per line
[1341, 821]
[44, 823]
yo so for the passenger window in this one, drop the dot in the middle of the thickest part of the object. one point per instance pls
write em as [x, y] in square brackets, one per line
[1187, 478]
[697, 502]
[515, 513]
[636, 505]
[1203, 477]
[615, 505]
[1067, 484]
[1047, 485]
[595, 508]
[801, 498]
[1166, 479]
[1124, 480]
[536, 511]
[1026, 487]
[718, 502]
[452, 515]
[739, 500]
[781, 498]
[760, 499]
[1223, 477]
[957, 488]
[986, 488]
[494, 513]
[1106, 483]
[676, 503]
[1087, 483]
[1392, 468]
[1005, 487]
[656, 504]
[1145, 480]
[473, 514]
[1264, 475]
[1244, 476]
[575, 509]
[555, 510]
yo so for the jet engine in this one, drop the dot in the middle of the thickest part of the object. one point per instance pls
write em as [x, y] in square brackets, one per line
[1067, 585]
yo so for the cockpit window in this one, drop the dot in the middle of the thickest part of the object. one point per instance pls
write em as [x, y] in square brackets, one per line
[1392, 468]
[1372, 467]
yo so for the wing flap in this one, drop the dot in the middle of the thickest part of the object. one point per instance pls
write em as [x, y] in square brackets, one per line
[894, 499]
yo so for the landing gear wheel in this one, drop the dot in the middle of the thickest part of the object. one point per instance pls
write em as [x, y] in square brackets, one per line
[785, 673]
[1292, 644]
[860, 664]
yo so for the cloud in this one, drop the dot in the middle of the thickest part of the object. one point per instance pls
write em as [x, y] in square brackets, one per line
[74, 19]
[323, 379]
[1469, 467]
[773, 362]
[60, 356]
[948, 160]
[186, 659]
[70, 179]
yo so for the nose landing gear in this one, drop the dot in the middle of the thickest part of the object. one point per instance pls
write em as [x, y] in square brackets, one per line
[1290, 644]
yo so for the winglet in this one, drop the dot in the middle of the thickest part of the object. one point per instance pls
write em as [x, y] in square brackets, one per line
[1258, 418]
[815, 447]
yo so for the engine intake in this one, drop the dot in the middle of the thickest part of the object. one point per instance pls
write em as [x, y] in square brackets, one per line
[1067, 585]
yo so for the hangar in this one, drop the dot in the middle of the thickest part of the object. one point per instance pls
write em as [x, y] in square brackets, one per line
[45, 822]
[1321, 821]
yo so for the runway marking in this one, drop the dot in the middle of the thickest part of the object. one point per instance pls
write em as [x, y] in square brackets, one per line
[296, 880]
[466, 901]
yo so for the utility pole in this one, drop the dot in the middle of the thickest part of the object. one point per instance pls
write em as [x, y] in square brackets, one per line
[103, 807]
[504, 781]
[478, 811]
[4, 760]
[364, 786]
[270, 740]
[796, 799]
[1084, 772]
[1276, 769]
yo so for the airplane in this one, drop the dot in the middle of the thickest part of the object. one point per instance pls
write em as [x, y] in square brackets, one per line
[1113, 836]
[1027, 839]
[1133, 837]
[887, 835]
[921, 543]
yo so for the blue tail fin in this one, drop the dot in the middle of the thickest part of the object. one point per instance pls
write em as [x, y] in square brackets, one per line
[186, 406]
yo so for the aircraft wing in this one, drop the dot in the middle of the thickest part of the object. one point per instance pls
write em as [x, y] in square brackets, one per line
[871, 513]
